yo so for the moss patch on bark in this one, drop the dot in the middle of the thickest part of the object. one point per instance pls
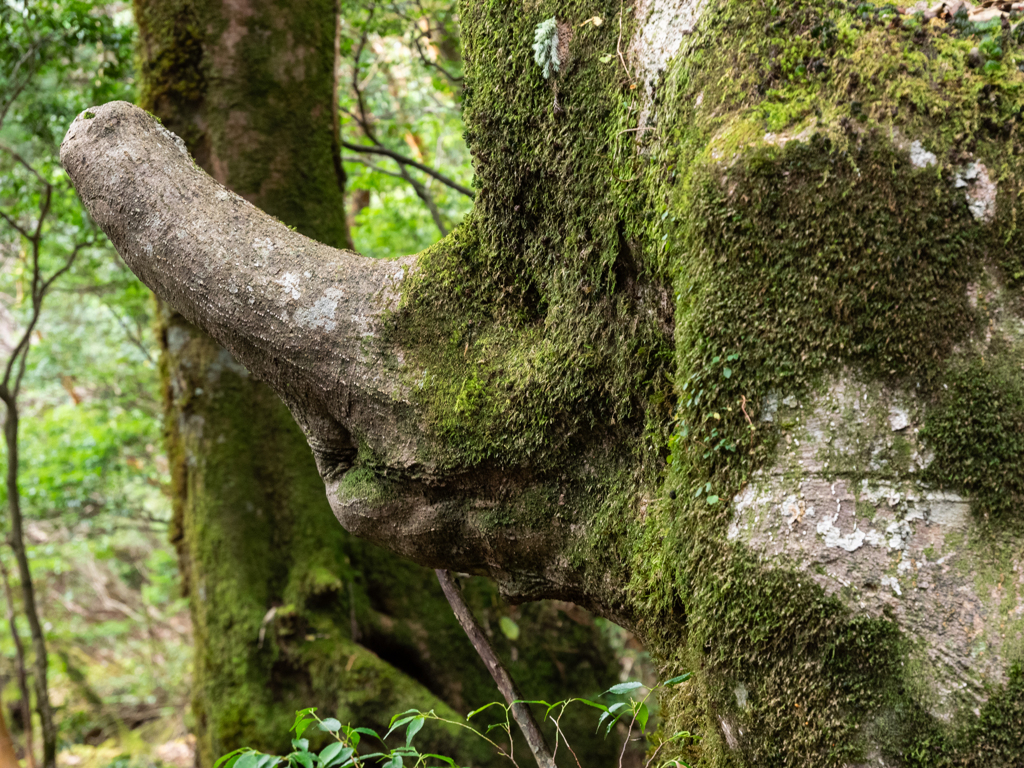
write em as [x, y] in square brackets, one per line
[775, 204]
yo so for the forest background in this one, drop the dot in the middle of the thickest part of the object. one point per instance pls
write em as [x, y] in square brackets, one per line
[93, 471]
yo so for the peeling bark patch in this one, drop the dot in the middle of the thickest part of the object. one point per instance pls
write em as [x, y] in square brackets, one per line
[921, 157]
[290, 283]
[665, 24]
[322, 313]
[980, 191]
[846, 504]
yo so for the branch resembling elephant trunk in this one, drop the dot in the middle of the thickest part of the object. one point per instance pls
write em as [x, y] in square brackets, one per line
[298, 314]
[306, 318]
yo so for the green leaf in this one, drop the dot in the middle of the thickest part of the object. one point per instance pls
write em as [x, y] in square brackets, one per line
[620, 708]
[367, 732]
[399, 724]
[302, 714]
[412, 730]
[351, 736]
[485, 706]
[509, 628]
[396, 762]
[248, 760]
[678, 679]
[593, 704]
[403, 714]
[233, 753]
[301, 726]
[301, 745]
[335, 753]
[606, 58]
[303, 758]
[727, 373]
[621, 688]
[330, 725]
[267, 761]
[446, 760]
[642, 715]
[712, 499]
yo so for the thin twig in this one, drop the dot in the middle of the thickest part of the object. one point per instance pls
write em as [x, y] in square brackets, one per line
[743, 407]
[568, 746]
[454, 79]
[380, 149]
[16, 91]
[618, 47]
[421, 191]
[428, 200]
[519, 708]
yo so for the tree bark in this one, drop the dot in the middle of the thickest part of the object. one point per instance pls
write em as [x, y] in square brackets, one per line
[284, 607]
[729, 350]
[21, 669]
[28, 596]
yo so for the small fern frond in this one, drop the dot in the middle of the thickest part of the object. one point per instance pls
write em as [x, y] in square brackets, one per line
[545, 46]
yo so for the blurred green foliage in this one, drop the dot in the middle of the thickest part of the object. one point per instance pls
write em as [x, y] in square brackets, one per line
[409, 76]
[92, 472]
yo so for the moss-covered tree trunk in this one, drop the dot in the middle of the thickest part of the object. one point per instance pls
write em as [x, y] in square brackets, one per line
[731, 349]
[289, 610]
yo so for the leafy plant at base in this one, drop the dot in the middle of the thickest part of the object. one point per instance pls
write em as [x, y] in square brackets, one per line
[343, 752]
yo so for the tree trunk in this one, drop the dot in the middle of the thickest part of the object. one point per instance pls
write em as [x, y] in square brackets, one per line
[20, 668]
[28, 595]
[730, 349]
[289, 610]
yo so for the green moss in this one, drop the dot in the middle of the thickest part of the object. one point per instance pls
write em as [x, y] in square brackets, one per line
[172, 81]
[994, 738]
[529, 321]
[977, 428]
[797, 257]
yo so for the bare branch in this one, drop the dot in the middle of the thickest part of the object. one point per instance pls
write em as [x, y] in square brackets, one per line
[14, 225]
[379, 149]
[24, 163]
[428, 200]
[454, 79]
[520, 709]
[16, 91]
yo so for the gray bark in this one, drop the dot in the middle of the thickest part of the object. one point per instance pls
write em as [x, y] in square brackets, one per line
[307, 319]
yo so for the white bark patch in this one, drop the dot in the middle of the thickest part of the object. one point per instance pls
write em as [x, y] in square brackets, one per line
[921, 157]
[322, 313]
[843, 504]
[980, 191]
[290, 283]
[663, 25]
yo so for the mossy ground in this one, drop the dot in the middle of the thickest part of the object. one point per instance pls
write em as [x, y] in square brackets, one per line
[784, 258]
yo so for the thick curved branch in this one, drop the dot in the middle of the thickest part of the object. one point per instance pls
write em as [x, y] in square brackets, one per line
[306, 318]
[298, 314]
